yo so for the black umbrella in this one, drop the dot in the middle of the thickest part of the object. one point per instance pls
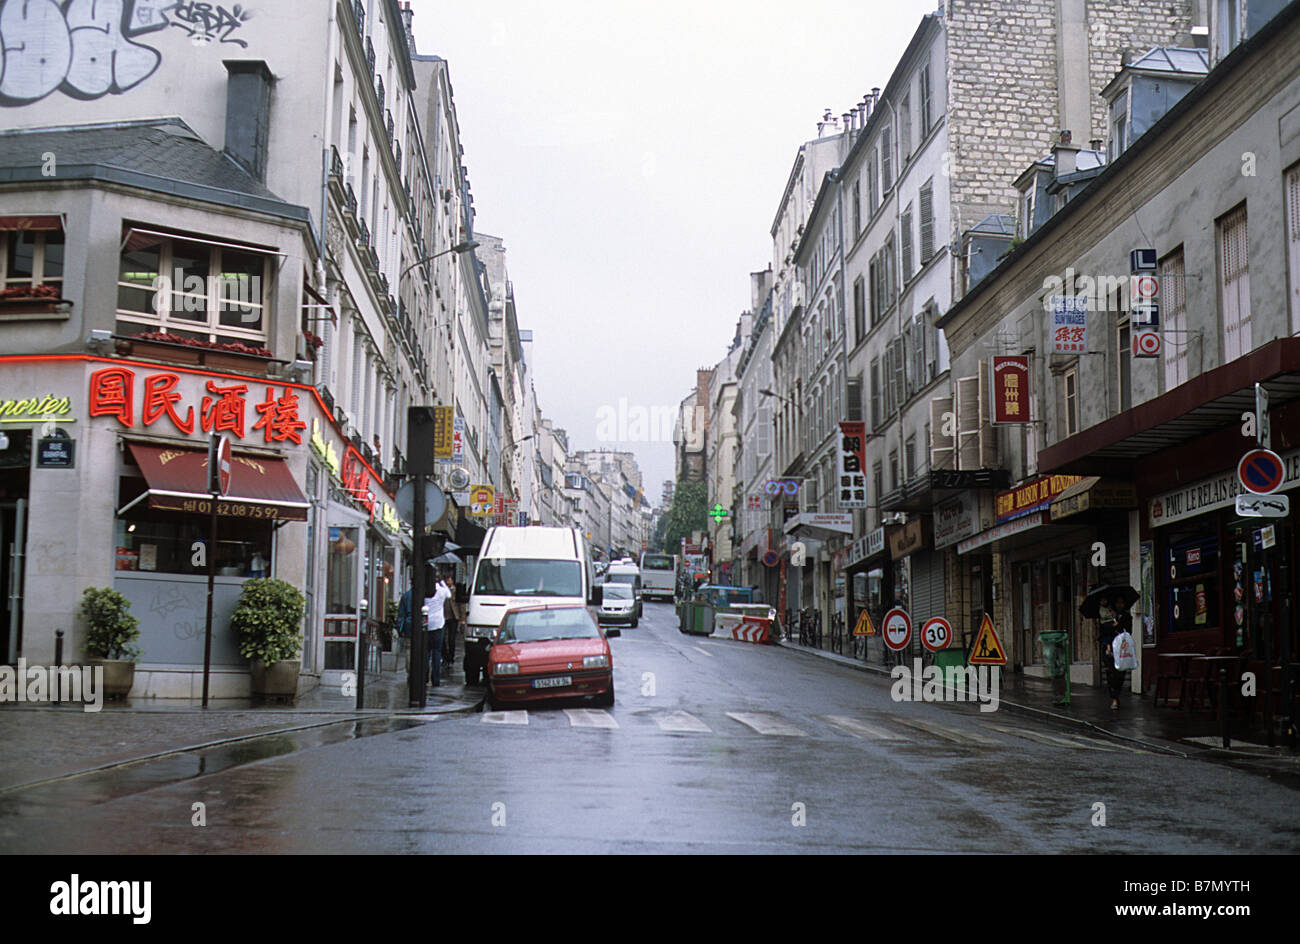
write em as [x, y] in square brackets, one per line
[1123, 594]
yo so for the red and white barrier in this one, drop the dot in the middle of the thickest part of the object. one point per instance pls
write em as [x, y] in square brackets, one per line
[742, 628]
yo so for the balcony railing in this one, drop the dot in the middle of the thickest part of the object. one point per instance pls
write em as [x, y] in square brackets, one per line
[379, 89]
[397, 155]
[364, 238]
[359, 14]
[336, 163]
[388, 124]
[370, 55]
[350, 201]
[383, 284]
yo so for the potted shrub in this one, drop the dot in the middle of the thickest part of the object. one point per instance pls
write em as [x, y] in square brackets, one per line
[268, 621]
[112, 630]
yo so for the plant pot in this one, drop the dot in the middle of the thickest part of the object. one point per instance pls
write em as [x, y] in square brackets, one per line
[276, 680]
[119, 676]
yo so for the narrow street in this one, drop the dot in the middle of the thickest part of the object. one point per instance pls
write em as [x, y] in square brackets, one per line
[712, 746]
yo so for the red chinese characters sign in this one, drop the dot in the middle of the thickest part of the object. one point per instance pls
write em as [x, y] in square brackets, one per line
[223, 408]
[1011, 389]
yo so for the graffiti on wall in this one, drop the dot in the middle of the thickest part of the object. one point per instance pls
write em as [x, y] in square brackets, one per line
[87, 48]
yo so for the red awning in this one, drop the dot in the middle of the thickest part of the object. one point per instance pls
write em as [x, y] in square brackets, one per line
[259, 488]
[42, 223]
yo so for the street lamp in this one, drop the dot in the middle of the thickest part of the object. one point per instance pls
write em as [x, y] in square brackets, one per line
[466, 246]
[769, 393]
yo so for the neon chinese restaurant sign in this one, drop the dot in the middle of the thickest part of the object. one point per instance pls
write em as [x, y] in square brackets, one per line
[222, 408]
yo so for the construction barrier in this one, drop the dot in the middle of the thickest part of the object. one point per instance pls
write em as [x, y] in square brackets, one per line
[742, 627]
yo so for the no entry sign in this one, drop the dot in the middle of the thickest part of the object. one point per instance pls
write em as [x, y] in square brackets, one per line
[1261, 471]
[897, 629]
[936, 634]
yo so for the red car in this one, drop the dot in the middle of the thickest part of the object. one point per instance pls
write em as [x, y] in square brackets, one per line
[541, 653]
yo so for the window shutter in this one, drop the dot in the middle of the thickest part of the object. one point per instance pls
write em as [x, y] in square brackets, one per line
[900, 374]
[1235, 289]
[886, 161]
[1293, 244]
[1173, 292]
[876, 418]
[927, 221]
[907, 243]
[943, 451]
[853, 407]
[988, 439]
[968, 422]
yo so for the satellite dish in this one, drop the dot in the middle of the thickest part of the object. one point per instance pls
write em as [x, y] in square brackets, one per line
[459, 479]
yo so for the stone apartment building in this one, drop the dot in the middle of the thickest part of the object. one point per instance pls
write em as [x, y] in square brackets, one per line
[1128, 472]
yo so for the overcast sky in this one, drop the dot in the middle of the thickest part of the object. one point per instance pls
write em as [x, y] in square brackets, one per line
[632, 156]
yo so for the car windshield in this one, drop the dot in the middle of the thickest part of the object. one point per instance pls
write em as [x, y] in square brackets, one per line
[621, 578]
[617, 591]
[656, 562]
[540, 625]
[529, 578]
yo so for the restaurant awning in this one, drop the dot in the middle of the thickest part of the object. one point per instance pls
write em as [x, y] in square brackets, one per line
[1203, 405]
[1092, 491]
[260, 488]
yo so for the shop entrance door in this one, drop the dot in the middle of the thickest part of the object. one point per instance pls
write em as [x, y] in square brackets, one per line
[13, 543]
[343, 590]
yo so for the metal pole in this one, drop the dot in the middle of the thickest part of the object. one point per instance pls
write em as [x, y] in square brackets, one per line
[363, 650]
[212, 575]
[418, 657]
[58, 661]
[1223, 705]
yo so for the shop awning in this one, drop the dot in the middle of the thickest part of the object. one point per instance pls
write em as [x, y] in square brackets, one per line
[829, 523]
[259, 488]
[469, 536]
[1092, 491]
[1203, 405]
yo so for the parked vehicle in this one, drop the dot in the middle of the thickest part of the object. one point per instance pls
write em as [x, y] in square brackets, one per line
[618, 604]
[520, 567]
[542, 653]
[658, 576]
[628, 574]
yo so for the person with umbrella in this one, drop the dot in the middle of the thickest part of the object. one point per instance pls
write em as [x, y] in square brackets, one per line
[1109, 606]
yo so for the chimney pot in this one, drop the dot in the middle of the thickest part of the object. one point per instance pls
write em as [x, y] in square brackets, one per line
[1095, 144]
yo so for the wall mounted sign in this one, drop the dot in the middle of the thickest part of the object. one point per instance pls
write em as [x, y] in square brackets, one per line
[1032, 496]
[1010, 378]
[56, 452]
[1069, 324]
[37, 409]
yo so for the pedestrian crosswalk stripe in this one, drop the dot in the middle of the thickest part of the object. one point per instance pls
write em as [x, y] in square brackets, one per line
[863, 729]
[766, 724]
[505, 717]
[681, 721]
[590, 718]
[1050, 739]
[950, 734]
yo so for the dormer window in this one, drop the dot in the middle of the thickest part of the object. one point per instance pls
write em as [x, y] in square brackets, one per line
[1119, 127]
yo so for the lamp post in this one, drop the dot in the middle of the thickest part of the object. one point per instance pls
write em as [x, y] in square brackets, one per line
[420, 464]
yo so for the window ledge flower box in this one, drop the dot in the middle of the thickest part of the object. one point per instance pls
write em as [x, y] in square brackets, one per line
[174, 348]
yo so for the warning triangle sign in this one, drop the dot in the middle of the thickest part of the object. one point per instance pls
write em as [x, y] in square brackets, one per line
[865, 627]
[988, 648]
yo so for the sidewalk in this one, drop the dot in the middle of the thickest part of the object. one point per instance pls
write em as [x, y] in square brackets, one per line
[42, 740]
[1191, 733]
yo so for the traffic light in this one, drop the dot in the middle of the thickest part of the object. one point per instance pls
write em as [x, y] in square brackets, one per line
[419, 440]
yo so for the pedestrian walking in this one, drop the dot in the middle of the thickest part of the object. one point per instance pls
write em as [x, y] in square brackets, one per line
[435, 621]
[453, 615]
[1113, 619]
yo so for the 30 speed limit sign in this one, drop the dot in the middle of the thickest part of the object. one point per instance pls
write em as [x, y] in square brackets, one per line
[897, 629]
[936, 634]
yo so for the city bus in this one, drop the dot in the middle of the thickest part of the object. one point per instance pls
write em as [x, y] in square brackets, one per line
[658, 575]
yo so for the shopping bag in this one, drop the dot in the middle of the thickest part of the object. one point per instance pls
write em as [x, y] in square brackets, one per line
[1125, 652]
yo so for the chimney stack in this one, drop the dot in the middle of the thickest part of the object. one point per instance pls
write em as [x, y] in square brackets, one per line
[407, 16]
[248, 113]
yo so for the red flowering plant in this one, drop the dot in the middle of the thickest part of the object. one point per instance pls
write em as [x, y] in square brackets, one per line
[30, 291]
[233, 347]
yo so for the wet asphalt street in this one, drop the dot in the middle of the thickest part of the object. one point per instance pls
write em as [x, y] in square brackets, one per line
[712, 746]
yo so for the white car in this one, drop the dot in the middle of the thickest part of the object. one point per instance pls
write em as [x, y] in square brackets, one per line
[619, 604]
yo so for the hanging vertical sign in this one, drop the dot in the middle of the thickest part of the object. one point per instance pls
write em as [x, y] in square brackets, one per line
[458, 441]
[1010, 389]
[443, 432]
[1069, 324]
[852, 462]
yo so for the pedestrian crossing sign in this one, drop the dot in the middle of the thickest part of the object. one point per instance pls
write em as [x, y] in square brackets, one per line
[988, 648]
[865, 627]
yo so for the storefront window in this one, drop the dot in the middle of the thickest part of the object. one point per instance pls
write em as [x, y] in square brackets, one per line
[341, 571]
[1194, 584]
[170, 542]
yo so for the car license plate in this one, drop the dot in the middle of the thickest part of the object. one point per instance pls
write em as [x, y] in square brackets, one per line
[558, 681]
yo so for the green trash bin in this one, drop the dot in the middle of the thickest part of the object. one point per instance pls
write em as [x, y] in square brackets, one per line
[1055, 655]
[948, 658]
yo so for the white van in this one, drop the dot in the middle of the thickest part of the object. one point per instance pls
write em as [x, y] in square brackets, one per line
[628, 574]
[522, 567]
